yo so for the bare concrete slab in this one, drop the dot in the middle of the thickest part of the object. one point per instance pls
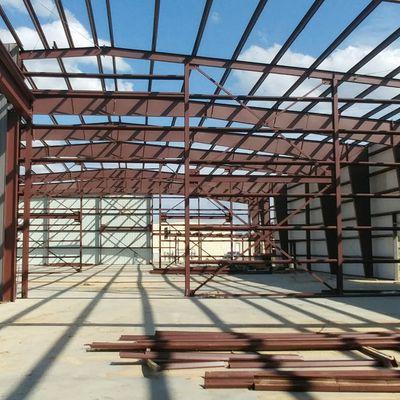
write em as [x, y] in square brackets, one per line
[42, 354]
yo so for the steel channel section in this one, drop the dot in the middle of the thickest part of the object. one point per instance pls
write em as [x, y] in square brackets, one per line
[337, 185]
[10, 217]
[281, 213]
[12, 84]
[26, 213]
[80, 233]
[205, 62]
[308, 233]
[187, 178]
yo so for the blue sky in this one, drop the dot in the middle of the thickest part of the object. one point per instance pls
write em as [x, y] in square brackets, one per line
[179, 20]
[178, 24]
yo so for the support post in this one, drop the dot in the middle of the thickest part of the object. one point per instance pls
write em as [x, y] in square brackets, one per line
[10, 215]
[308, 233]
[199, 233]
[254, 220]
[249, 233]
[159, 231]
[338, 193]
[80, 233]
[27, 212]
[281, 213]
[100, 230]
[231, 225]
[396, 158]
[187, 179]
[46, 232]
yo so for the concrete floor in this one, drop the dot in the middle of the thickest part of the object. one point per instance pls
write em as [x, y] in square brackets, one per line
[42, 339]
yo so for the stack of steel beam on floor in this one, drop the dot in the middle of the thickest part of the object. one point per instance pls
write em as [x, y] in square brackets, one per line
[209, 269]
[166, 350]
[193, 270]
[306, 381]
[227, 341]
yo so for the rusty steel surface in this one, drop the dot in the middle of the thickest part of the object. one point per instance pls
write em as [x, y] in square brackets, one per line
[12, 84]
[174, 350]
[9, 292]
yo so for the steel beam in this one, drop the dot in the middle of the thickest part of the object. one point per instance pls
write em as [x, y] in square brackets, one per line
[205, 62]
[337, 186]
[187, 180]
[9, 292]
[12, 84]
[145, 104]
[26, 216]
[281, 211]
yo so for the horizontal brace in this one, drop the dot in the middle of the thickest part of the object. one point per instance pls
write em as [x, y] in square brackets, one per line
[104, 228]
[80, 160]
[306, 195]
[206, 61]
[288, 227]
[262, 262]
[288, 161]
[34, 215]
[296, 99]
[102, 76]
[88, 94]
[260, 178]
[297, 260]
[293, 161]
[163, 129]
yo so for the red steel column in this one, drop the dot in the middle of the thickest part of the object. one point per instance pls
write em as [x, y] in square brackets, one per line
[231, 224]
[198, 233]
[27, 212]
[80, 233]
[187, 179]
[338, 193]
[308, 233]
[100, 199]
[11, 208]
[159, 229]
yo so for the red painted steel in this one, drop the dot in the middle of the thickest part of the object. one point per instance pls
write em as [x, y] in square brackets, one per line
[338, 191]
[26, 215]
[187, 180]
[204, 61]
[9, 290]
[12, 84]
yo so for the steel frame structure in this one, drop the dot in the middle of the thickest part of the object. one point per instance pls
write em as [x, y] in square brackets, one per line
[266, 152]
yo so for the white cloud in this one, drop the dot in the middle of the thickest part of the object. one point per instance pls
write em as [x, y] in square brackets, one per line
[54, 32]
[43, 8]
[16, 4]
[340, 60]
